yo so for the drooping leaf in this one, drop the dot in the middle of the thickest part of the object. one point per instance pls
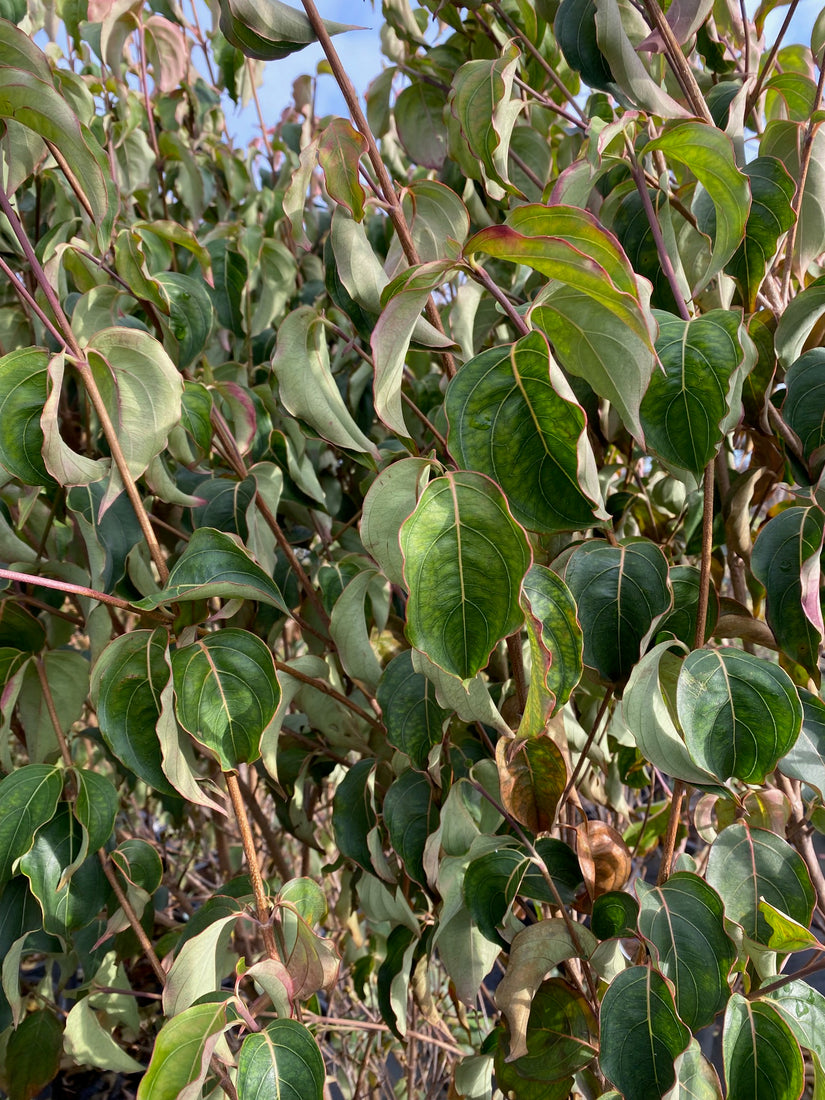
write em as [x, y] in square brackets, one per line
[126, 684]
[804, 405]
[28, 799]
[67, 674]
[806, 759]
[709, 155]
[684, 920]
[393, 979]
[798, 320]
[22, 395]
[89, 1043]
[409, 709]
[555, 646]
[281, 1060]
[513, 416]
[183, 1048]
[410, 814]
[195, 973]
[340, 148]
[696, 399]
[229, 271]
[534, 955]
[575, 29]
[390, 499]
[614, 914]
[33, 1054]
[747, 865]
[19, 629]
[269, 30]
[532, 777]
[226, 693]
[740, 713]
[96, 806]
[462, 542]
[696, 1078]
[215, 564]
[620, 592]
[762, 1057]
[349, 629]
[190, 314]
[771, 216]
[353, 815]
[785, 560]
[306, 385]
[561, 1034]
[67, 906]
[594, 291]
[641, 1035]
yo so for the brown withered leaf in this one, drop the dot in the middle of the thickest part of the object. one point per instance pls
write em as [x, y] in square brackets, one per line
[532, 774]
[603, 857]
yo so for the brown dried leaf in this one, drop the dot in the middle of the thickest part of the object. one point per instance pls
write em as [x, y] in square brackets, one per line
[532, 774]
[603, 856]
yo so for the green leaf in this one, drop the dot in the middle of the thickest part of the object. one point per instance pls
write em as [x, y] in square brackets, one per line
[513, 416]
[306, 385]
[614, 914]
[806, 759]
[340, 148]
[695, 1077]
[393, 979]
[561, 1034]
[804, 405]
[803, 1009]
[771, 216]
[19, 630]
[689, 405]
[353, 815]
[67, 906]
[126, 684]
[90, 1044]
[620, 591]
[641, 1035]
[22, 395]
[762, 1057]
[195, 973]
[555, 646]
[96, 806]
[216, 564]
[418, 113]
[685, 580]
[708, 153]
[28, 799]
[684, 920]
[390, 499]
[282, 1060]
[349, 629]
[180, 1059]
[226, 694]
[786, 141]
[481, 101]
[230, 272]
[740, 713]
[462, 542]
[33, 1054]
[268, 29]
[785, 560]
[67, 673]
[797, 322]
[409, 710]
[786, 934]
[410, 815]
[534, 954]
[190, 314]
[575, 29]
[747, 865]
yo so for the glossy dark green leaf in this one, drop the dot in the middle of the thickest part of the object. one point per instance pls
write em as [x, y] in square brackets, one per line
[614, 914]
[127, 681]
[96, 806]
[561, 1034]
[462, 542]
[681, 621]
[740, 714]
[575, 28]
[139, 863]
[806, 759]
[804, 405]
[513, 416]
[746, 865]
[762, 1058]
[226, 693]
[708, 153]
[690, 404]
[230, 271]
[110, 536]
[684, 920]
[76, 903]
[771, 216]
[190, 314]
[19, 629]
[409, 709]
[196, 410]
[555, 646]
[353, 815]
[418, 117]
[620, 592]
[182, 1050]
[281, 1060]
[410, 814]
[226, 503]
[215, 564]
[785, 560]
[392, 971]
[23, 385]
[28, 799]
[641, 1035]
[33, 1054]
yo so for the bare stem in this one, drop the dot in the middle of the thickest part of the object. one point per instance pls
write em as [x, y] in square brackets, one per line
[52, 709]
[78, 590]
[328, 689]
[679, 63]
[656, 230]
[132, 917]
[248, 841]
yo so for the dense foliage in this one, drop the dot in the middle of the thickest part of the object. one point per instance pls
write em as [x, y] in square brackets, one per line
[411, 530]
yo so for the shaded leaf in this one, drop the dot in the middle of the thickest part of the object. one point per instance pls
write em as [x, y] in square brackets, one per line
[532, 777]
[641, 1035]
[614, 914]
[806, 759]
[418, 114]
[96, 806]
[555, 639]
[462, 542]
[180, 1058]
[513, 416]
[762, 1058]
[391, 497]
[771, 216]
[409, 709]
[561, 1034]
[681, 620]
[804, 406]
[695, 1077]
[340, 147]
[28, 799]
[229, 271]
[410, 814]
[33, 1054]
[89, 1043]
[190, 314]
[22, 395]
[353, 815]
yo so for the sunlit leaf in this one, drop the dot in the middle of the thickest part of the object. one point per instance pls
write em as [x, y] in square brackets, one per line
[180, 1058]
[762, 1057]
[22, 393]
[28, 799]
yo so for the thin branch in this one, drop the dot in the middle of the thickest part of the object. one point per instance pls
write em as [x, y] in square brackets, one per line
[248, 841]
[79, 590]
[132, 917]
[594, 729]
[328, 689]
[52, 709]
[678, 62]
[656, 230]
[28, 299]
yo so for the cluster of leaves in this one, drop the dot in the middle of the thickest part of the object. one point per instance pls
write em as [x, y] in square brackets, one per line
[411, 531]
